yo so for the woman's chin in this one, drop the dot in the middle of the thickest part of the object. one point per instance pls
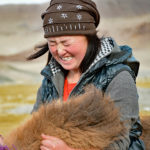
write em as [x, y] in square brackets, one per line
[69, 67]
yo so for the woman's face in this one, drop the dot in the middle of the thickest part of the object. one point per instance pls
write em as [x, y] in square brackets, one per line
[68, 51]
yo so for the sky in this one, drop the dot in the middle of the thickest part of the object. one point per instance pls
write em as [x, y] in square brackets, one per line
[4, 2]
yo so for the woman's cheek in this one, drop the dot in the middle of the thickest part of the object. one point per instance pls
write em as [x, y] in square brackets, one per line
[72, 49]
[52, 49]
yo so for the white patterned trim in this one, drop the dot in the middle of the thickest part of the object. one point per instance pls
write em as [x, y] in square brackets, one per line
[59, 7]
[54, 67]
[106, 49]
[50, 21]
[63, 15]
[79, 7]
[79, 16]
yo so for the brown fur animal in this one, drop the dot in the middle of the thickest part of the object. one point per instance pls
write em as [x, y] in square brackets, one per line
[89, 121]
[146, 131]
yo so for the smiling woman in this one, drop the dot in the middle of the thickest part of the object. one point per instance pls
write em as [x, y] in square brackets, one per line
[68, 51]
[78, 57]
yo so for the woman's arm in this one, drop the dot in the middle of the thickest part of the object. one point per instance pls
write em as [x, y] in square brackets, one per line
[38, 100]
[1, 140]
[123, 92]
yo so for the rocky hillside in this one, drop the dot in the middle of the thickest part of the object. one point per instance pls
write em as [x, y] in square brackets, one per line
[107, 8]
[117, 8]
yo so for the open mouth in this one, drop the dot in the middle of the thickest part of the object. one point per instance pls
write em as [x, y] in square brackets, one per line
[66, 58]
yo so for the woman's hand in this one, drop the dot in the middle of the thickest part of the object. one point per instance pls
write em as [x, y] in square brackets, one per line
[1, 140]
[53, 143]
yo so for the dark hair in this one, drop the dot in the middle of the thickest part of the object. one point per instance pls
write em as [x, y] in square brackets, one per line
[43, 49]
[92, 50]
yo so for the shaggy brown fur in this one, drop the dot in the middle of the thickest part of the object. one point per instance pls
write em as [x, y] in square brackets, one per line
[89, 121]
[146, 131]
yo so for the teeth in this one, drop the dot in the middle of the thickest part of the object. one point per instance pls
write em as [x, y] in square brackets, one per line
[66, 58]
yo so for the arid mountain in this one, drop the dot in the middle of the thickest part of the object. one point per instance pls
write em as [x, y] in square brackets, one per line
[21, 25]
[122, 8]
[107, 8]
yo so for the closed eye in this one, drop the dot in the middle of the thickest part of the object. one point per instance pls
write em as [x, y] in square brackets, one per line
[51, 43]
[66, 44]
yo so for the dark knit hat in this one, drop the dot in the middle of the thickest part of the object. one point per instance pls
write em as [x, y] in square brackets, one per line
[70, 17]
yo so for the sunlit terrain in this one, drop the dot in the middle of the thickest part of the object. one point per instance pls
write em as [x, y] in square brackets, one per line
[16, 102]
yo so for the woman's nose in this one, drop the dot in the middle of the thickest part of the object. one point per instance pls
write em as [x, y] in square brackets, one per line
[60, 49]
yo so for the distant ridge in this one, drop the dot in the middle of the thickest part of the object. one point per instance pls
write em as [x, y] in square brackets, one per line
[22, 56]
[21, 25]
[117, 8]
[107, 8]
